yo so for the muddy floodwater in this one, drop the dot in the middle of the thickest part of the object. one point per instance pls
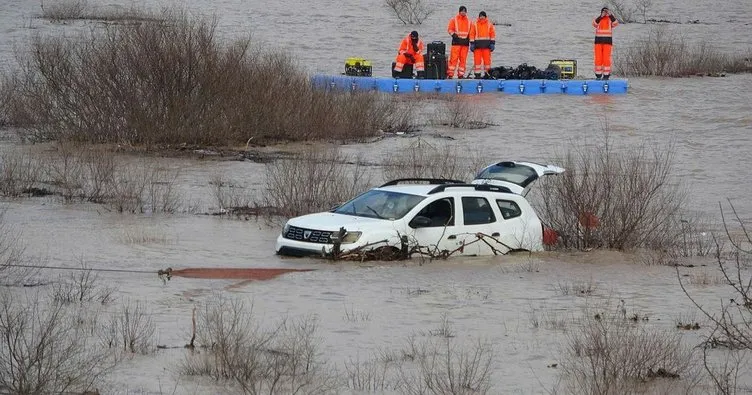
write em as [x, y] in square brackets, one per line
[361, 309]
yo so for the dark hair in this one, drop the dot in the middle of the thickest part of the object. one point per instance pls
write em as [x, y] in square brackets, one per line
[482, 13]
[414, 34]
[605, 9]
[463, 8]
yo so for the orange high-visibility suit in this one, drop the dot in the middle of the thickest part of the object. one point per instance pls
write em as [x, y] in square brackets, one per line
[459, 29]
[603, 43]
[483, 42]
[408, 50]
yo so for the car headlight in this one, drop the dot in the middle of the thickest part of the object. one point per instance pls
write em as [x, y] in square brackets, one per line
[285, 228]
[351, 237]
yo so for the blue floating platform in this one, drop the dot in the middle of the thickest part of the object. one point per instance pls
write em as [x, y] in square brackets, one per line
[513, 87]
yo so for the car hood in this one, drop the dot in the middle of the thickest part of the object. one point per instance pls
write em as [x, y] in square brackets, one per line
[334, 221]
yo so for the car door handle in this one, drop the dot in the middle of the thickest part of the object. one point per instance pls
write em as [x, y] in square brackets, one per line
[495, 234]
[452, 237]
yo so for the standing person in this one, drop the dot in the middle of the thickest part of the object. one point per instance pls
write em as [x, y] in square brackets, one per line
[411, 52]
[459, 29]
[603, 25]
[482, 43]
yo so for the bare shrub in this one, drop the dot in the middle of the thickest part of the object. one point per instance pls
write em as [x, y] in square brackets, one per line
[316, 180]
[446, 367]
[667, 53]
[63, 10]
[461, 112]
[229, 194]
[423, 159]
[131, 328]
[731, 327]
[611, 198]
[576, 288]
[81, 286]
[353, 315]
[621, 11]
[11, 251]
[19, 173]
[66, 171]
[43, 349]
[642, 7]
[608, 354]
[143, 187]
[168, 81]
[284, 359]
[371, 375]
[410, 12]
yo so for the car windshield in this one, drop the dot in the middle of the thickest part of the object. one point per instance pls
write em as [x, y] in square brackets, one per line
[519, 174]
[380, 204]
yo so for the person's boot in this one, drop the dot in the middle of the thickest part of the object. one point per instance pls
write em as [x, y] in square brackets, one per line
[477, 76]
[597, 76]
[421, 75]
[605, 76]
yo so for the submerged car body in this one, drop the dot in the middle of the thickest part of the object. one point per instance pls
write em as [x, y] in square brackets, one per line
[486, 217]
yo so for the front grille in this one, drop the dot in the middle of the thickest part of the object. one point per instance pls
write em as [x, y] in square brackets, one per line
[309, 235]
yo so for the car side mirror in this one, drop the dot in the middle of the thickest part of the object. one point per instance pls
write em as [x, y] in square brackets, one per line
[420, 222]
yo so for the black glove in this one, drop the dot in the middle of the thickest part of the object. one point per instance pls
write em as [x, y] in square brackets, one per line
[410, 56]
[455, 36]
[598, 19]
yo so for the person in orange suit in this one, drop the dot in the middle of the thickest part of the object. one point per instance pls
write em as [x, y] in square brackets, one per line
[604, 25]
[411, 52]
[482, 43]
[459, 29]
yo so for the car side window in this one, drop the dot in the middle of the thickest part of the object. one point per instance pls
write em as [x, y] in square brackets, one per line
[476, 211]
[440, 212]
[509, 209]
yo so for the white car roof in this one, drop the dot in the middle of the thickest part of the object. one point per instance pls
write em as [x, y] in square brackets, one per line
[423, 189]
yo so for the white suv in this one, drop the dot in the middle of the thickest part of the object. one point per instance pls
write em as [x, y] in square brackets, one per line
[487, 217]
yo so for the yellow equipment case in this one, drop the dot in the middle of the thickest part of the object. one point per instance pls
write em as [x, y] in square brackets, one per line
[358, 67]
[568, 68]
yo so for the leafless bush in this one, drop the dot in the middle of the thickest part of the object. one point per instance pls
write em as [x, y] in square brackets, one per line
[621, 11]
[410, 12]
[131, 328]
[461, 112]
[81, 286]
[168, 81]
[642, 7]
[667, 53]
[63, 10]
[229, 194]
[143, 187]
[284, 359]
[611, 198]
[447, 367]
[608, 354]
[731, 327]
[316, 180]
[66, 171]
[577, 288]
[371, 375]
[423, 159]
[43, 349]
[11, 251]
[19, 173]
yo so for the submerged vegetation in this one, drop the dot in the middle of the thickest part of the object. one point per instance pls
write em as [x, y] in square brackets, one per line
[168, 81]
[667, 53]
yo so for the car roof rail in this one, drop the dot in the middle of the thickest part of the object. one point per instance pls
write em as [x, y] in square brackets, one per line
[477, 187]
[430, 181]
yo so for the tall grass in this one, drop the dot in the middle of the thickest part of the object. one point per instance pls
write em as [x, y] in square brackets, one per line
[668, 53]
[168, 80]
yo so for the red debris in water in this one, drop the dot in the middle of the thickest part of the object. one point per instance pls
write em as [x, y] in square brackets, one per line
[234, 274]
[589, 220]
[550, 236]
